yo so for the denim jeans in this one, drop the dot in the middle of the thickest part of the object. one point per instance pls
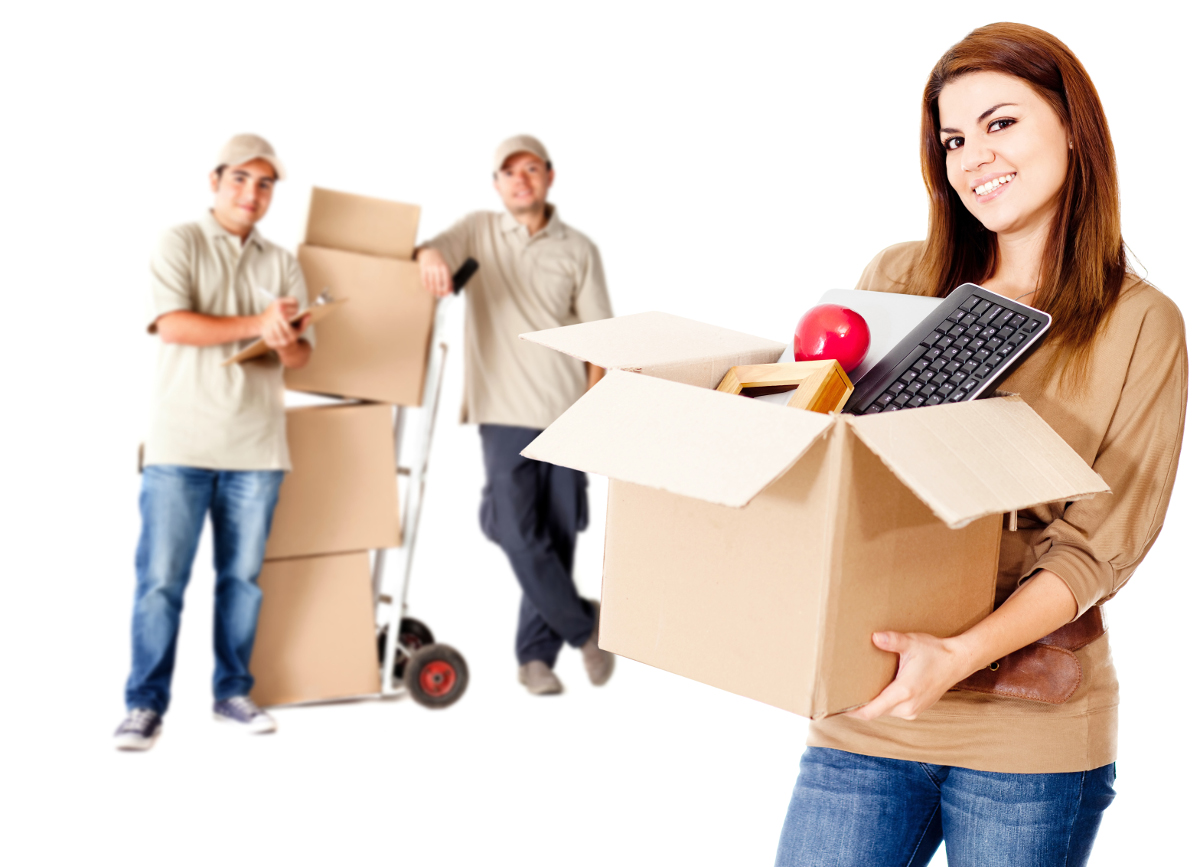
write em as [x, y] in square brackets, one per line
[864, 811]
[533, 511]
[174, 502]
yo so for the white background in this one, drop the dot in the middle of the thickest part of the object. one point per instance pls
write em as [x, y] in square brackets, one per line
[731, 161]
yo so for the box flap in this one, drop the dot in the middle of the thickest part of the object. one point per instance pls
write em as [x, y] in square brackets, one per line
[717, 447]
[978, 458]
[661, 345]
[361, 224]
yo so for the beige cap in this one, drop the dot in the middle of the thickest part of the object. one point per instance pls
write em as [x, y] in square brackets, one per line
[519, 144]
[246, 147]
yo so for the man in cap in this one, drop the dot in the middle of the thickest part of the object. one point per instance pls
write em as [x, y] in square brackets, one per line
[535, 272]
[217, 443]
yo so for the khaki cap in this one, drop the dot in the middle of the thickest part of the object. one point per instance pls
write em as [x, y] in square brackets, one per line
[519, 144]
[246, 147]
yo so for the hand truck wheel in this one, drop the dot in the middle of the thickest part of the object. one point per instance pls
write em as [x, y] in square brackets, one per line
[413, 635]
[436, 676]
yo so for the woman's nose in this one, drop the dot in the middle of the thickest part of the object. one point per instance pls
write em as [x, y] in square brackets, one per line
[975, 155]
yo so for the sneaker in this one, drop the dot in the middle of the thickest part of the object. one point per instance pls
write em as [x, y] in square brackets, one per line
[242, 711]
[539, 679]
[598, 663]
[140, 729]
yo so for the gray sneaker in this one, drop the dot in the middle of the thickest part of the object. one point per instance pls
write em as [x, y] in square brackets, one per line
[139, 730]
[243, 712]
[598, 663]
[539, 679]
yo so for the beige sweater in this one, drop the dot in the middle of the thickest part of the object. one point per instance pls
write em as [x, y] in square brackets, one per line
[1127, 422]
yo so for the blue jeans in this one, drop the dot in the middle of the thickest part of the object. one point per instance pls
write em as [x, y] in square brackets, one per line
[864, 811]
[174, 502]
[533, 511]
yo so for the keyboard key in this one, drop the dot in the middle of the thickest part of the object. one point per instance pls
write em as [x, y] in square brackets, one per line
[885, 398]
[933, 401]
[947, 325]
[926, 375]
[982, 307]
[940, 378]
[1017, 339]
[914, 386]
[927, 390]
[1002, 320]
[969, 367]
[916, 401]
[931, 353]
[986, 318]
[946, 341]
[956, 331]
[939, 363]
[969, 303]
[968, 320]
[957, 396]
[908, 375]
[985, 371]
[872, 409]
[1005, 333]
[988, 333]
[1006, 350]
[958, 378]
[891, 408]
[958, 314]
[993, 344]
[1033, 326]
[970, 384]
[946, 390]
[977, 344]
[902, 399]
[974, 330]
[952, 367]
[962, 342]
[1018, 320]
[896, 387]
[919, 365]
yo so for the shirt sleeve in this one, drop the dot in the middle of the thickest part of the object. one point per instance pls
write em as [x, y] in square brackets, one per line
[171, 286]
[591, 295]
[456, 243]
[1096, 544]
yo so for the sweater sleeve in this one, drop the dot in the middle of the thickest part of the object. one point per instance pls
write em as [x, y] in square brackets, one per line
[1096, 544]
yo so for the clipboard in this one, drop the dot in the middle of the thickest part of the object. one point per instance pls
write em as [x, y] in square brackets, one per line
[259, 347]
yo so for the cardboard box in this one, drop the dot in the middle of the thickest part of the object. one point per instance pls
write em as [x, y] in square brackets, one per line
[316, 630]
[361, 224]
[755, 547]
[377, 345]
[341, 494]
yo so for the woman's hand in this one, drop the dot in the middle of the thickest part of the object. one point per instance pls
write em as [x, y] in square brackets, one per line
[928, 667]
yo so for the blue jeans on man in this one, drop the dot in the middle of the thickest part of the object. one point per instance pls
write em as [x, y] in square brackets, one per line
[174, 503]
[865, 811]
[533, 511]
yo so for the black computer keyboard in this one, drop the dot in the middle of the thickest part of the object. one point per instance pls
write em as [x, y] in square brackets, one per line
[961, 351]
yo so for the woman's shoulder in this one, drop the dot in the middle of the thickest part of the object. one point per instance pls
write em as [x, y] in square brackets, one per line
[1148, 310]
[891, 269]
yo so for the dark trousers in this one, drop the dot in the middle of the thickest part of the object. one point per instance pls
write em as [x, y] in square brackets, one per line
[533, 511]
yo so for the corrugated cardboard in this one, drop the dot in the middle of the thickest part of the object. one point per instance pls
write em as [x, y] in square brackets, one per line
[361, 224]
[341, 493]
[377, 345]
[755, 547]
[316, 630]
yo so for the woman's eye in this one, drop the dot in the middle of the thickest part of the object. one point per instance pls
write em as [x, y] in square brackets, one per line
[1002, 123]
[952, 143]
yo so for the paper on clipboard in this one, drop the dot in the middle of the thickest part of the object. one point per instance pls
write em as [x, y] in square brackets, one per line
[259, 347]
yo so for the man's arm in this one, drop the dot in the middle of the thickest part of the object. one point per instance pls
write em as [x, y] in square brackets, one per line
[594, 374]
[273, 325]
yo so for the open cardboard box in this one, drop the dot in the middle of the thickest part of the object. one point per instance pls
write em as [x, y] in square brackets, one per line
[341, 493]
[316, 630]
[376, 347]
[756, 547]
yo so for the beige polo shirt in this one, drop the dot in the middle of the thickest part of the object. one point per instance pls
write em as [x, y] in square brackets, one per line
[523, 284]
[203, 414]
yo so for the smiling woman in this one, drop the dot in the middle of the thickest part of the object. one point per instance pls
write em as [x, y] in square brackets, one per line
[1021, 176]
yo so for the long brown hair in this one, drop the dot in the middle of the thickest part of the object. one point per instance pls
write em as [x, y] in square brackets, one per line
[1083, 265]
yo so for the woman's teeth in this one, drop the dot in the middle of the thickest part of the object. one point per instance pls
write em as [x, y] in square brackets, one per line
[993, 184]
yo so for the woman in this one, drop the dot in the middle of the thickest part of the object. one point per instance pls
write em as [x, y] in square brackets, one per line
[1022, 181]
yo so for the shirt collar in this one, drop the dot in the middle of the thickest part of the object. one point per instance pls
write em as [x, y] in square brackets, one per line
[553, 229]
[215, 230]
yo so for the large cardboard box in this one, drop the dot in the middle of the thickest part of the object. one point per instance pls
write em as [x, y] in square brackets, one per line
[756, 547]
[316, 630]
[341, 494]
[377, 344]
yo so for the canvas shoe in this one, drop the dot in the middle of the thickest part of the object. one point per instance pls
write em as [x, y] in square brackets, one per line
[139, 730]
[598, 663]
[539, 679]
[243, 712]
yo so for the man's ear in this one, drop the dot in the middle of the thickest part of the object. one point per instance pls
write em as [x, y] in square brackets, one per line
[550, 179]
[214, 180]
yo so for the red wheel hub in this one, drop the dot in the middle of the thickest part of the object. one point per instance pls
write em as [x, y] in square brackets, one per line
[438, 678]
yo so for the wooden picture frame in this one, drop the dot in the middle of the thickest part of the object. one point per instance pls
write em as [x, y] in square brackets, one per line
[821, 386]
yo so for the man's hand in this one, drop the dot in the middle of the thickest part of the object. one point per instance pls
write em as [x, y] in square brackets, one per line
[436, 276]
[929, 666]
[276, 328]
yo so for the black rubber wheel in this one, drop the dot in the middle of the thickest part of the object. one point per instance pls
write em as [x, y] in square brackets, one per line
[413, 635]
[436, 676]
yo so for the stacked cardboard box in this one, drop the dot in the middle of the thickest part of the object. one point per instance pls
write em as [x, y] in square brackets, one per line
[756, 547]
[316, 637]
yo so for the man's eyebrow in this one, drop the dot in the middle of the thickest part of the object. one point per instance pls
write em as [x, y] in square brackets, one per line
[981, 117]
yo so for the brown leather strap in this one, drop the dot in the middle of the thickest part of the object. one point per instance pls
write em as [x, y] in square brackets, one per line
[1047, 670]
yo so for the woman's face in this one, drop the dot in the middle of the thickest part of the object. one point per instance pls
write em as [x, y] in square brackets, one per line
[1006, 151]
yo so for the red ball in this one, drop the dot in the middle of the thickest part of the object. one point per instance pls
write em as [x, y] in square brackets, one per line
[832, 331]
